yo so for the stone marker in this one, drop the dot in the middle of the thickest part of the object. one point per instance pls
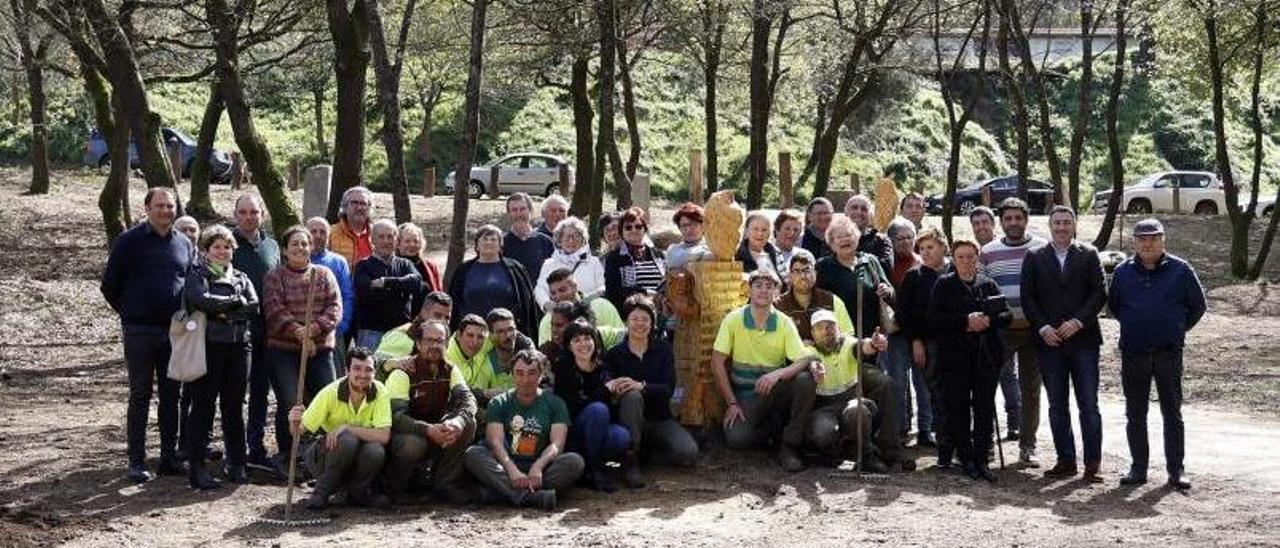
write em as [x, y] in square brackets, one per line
[640, 191]
[315, 190]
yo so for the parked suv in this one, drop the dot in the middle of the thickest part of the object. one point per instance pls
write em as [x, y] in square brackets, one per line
[95, 154]
[1199, 192]
[528, 172]
[1039, 195]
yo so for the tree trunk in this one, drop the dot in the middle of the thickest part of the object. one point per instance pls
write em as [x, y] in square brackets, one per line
[713, 25]
[629, 109]
[317, 107]
[198, 204]
[584, 168]
[1114, 153]
[811, 163]
[350, 31]
[114, 220]
[428, 105]
[1264, 248]
[1260, 19]
[956, 124]
[266, 176]
[758, 156]
[606, 142]
[1239, 223]
[470, 133]
[33, 60]
[126, 82]
[1084, 107]
[387, 71]
[1033, 73]
[1013, 87]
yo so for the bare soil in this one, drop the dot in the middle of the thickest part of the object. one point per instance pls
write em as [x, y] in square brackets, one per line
[63, 388]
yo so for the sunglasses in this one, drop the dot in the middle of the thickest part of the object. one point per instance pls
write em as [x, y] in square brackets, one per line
[633, 227]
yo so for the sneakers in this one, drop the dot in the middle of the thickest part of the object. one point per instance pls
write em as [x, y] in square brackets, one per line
[631, 476]
[199, 478]
[1178, 482]
[872, 464]
[1063, 469]
[979, 471]
[138, 473]
[236, 474]
[789, 459]
[1027, 457]
[261, 462]
[317, 501]
[171, 466]
[598, 479]
[1091, 474]
[544, 499]
[1013, 434]
[1134, 478]
[926, 439]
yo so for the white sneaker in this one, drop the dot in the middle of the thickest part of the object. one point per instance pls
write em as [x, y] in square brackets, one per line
[1027, 458]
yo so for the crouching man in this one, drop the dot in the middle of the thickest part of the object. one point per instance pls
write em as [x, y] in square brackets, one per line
[434, 420]
[345, 429]
[523, 459]
[833, 425]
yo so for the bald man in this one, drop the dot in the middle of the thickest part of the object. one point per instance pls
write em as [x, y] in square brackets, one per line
[256, 254]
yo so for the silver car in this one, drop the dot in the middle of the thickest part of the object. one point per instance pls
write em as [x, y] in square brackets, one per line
[529, 172]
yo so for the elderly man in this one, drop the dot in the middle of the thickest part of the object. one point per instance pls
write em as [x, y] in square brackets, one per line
[143, 283]
[189, 227]
[912, 207]
[833, 427]
[351, 237]
[397, 343]
[1062, 294]
[434, 419]
[1002, 261]
[256, 254]
[385, 285]
[563, 288]
[749, 363]
[347, 426]
[522, 243]
[1157, 298]
[897, 360]
[817, 217]
[523, 458]
[319, 229]
[554, 209]
[804, 298]
[861, 210]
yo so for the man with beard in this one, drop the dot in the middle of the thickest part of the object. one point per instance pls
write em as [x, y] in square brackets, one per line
[504, 343]
[434, 419]
[1002, 262]
[804, 299]
[833, 426]
[346, 426]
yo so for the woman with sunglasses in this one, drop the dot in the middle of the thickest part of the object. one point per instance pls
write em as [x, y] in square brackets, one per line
[634, 267]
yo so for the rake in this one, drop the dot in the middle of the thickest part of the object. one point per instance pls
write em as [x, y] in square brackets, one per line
[288, 520]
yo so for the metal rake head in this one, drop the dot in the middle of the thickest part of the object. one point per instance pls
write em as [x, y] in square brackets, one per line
[311, 522]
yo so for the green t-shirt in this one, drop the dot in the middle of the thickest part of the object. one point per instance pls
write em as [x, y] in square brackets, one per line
[756, 350]
[527, 428]
[842, 368]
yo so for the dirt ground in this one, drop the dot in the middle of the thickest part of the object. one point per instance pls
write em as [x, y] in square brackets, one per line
[62, 385]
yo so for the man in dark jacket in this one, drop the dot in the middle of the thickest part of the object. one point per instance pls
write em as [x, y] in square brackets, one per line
[817, 217]
[1062, 294]
[434, 419]
[256, 254]
[143, 283]
[861, 211]
[522, 242]
[385, 286]
[1157, 298]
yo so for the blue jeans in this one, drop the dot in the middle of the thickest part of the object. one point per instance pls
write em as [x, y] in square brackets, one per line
[1061, 368]
[594, 436]
[284, 380]
[255, 426]
[368, 338]
[898, 364]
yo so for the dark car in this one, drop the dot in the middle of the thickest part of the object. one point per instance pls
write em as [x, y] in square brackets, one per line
[95, 154]
[1039, 195]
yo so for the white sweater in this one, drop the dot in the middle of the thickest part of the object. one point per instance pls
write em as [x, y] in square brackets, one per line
[587, 269]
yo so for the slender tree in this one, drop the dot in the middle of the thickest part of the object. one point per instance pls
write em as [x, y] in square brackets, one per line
[199, 204]
[947, 76]
[470, 133]
[607, 156]
[33, 54]
[388, 64]
[350, 27]
[1114, 152]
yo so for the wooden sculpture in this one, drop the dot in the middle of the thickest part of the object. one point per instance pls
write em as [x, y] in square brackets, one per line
[887, 201]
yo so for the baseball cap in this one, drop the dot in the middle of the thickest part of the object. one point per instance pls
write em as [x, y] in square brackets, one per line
[822, 316]
[1148, 227]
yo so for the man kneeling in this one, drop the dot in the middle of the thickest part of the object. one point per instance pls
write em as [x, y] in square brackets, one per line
[833, 426]
[523, 458]
[434, 419]
[346, 426]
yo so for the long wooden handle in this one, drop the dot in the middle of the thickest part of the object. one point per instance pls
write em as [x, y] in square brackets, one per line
[301, 392]
[857, 343]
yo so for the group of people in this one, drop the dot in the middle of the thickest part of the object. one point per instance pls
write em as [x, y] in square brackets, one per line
[544, 361]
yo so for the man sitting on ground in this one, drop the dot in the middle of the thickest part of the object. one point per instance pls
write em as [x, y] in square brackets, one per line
[434, 419]
[346, 425]
[563, 288]
[805, 299]
[523, 459]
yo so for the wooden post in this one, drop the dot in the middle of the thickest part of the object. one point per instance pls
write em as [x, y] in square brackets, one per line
[855, 184]
[695, 176]
[493, 182]
[429, 182]
[237, 171]
[295, 175]
[565, 183]
[986, 195]
[175, 161]
[786, 192]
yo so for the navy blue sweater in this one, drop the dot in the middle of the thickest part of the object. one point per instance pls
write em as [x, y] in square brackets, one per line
[1157, 307]
[384, 308]
[145, 274]
[657, 370]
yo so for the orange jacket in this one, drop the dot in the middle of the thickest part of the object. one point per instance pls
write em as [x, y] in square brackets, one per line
[346, 242]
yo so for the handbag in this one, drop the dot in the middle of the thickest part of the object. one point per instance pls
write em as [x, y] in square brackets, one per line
[186, 339]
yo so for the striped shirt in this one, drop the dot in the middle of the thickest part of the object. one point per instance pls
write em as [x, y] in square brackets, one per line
[1002, 262]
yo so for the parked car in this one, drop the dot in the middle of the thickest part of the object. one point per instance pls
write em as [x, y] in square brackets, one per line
[528, 172]
[1266, 206]
[1039, 195]
[1199, 192]
[95, 154]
